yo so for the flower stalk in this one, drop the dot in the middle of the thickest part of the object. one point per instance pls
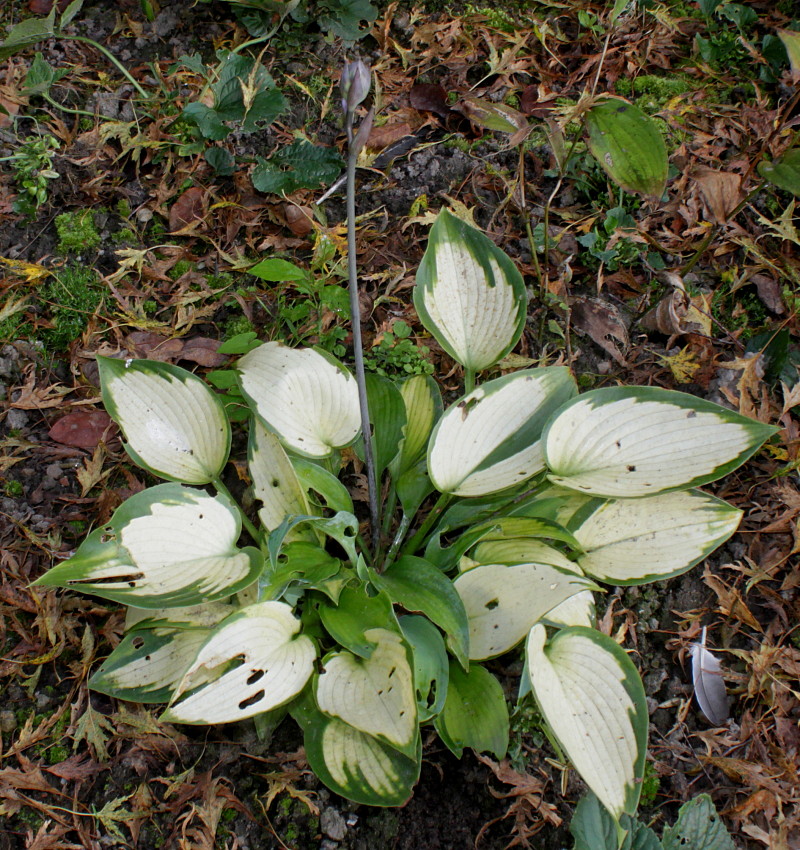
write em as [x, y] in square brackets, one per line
[355, 85]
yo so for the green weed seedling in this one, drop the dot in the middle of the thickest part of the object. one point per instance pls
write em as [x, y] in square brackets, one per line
[698, 827]
[500, 515]
[32, 164]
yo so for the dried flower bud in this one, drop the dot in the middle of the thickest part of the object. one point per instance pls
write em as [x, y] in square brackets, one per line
[354, 85]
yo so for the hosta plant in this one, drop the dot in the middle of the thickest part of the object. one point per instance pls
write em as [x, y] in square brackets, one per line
[494, 519]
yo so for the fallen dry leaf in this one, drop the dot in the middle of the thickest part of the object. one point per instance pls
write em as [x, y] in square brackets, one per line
[84, 429]
[203, 351]
[721, 191]
[603, 323]
[190, 207]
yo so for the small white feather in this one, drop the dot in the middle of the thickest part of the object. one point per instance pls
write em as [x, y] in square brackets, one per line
[709, 686]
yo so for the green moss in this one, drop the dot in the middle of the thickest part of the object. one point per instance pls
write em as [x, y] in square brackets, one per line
[650, 785]
[77, 232]
[13, 489]
[237, 325]
[72, 296]
[125, 235]
[179, 269]
[57, 753]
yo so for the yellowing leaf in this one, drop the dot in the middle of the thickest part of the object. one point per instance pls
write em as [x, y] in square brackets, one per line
[683, 365]
[32, 272]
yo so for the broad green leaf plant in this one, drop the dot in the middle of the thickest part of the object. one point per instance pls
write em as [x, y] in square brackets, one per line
[494, 520]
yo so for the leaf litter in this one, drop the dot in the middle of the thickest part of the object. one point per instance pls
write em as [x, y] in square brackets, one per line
[677, 297]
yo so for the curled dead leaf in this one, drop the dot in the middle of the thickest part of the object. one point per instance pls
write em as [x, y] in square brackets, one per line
[603, 323]
[381, 137]
[300, 220]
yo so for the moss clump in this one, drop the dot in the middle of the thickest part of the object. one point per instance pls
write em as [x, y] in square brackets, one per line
[77, 232]
[651, 92]
[72, 297]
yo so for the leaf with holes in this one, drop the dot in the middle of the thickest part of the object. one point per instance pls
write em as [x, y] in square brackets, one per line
[634, 541]
[275, 483]
[167, 546]
[469, 294]
[640, 441]
[175, 426]
[504, 601]
[309, 400]
[577, 610]
[252, 662]
[374, 695]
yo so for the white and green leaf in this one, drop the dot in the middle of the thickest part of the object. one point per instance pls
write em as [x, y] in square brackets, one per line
[633, 541]
[469, 294]
[148, 664]
[174, 425]
[640, 441]
[578, 610]
[275, 483]
[374, 695]
[253, 662]
[309, 400]
[490, 439]
[166, 547]
[594, 702]
[358, 766]
[504, 601]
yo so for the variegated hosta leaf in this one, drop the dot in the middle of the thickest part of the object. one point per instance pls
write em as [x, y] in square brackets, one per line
[375, 694]
[490, 439]
[578, 610]
[633, 541]
[309, 400]
[358, 766]
[639, 441]
[469, 294]
[423, 401]
[275, 483]
[593, 700]
[148, 664]
[168, 546]
[175, 426]
[252, 662]
[203, 616]
[504, 601]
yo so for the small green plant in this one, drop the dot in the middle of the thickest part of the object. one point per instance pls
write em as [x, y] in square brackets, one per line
[698, 827]
[396, 354]
[77, 232]
[32, 164]
[499, 516]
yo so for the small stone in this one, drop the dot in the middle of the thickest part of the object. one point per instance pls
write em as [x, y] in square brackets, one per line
[16, 419]
[53, 470]
[8, 722]
[333, 824]
[42, 701]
